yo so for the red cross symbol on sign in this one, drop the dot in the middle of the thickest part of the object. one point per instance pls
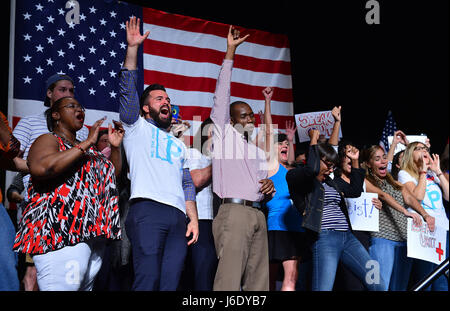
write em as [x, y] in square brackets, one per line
[439, 251]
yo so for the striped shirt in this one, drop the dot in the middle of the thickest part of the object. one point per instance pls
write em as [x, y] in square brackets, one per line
[333, 217]
[29, 129]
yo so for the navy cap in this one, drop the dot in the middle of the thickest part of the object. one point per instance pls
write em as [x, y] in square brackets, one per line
[52, 80]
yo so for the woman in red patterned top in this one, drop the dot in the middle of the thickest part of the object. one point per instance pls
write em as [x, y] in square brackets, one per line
[73, 207]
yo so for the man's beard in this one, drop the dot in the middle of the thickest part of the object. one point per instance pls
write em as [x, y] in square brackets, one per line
[154, 114]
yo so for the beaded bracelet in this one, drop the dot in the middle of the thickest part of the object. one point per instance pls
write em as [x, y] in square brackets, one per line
[79, 147]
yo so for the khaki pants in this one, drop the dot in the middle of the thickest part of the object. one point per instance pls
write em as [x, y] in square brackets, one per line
[240, 237]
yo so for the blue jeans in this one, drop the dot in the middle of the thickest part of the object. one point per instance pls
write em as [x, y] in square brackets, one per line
[159, 245]
[9, 280]
[395, 266]
[334, 246]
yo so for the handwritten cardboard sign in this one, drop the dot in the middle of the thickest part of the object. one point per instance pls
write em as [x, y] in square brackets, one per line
[411, 139]
[362, 213]
[426, 245]
[322, 121]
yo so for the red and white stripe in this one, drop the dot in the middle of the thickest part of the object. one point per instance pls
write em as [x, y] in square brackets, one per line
[185, 54]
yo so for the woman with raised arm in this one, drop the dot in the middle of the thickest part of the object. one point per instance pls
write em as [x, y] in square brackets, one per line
[325, 216]
[283, 220]
[388, 245]
[421, 174]
[73, 207]
[398, 138]
[349, 158]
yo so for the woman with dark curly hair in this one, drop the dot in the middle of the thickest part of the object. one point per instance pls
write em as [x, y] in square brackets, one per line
[325, 215]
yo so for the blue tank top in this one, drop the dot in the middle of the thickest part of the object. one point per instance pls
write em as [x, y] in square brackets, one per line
[283, 215]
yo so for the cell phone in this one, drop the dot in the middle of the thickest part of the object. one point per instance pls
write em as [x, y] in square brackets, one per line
[175, 112]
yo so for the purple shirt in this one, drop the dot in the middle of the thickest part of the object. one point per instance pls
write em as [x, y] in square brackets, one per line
[237, 166]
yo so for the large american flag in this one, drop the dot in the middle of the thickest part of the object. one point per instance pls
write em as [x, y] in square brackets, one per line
[86, 40]
[389, 129]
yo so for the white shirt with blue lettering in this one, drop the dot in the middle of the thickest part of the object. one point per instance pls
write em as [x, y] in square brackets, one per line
[433, 200]
[156, 159]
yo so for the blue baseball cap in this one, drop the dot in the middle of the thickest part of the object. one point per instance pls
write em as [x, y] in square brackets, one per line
[52, 80]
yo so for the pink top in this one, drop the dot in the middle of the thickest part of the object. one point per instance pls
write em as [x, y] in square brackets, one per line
[237, 166]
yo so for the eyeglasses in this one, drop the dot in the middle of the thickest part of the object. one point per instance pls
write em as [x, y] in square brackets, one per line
[329, 165]
[420, 148]
[74, 106]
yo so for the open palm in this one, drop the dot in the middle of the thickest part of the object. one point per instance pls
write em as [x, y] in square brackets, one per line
[115, 136]
[290, 130]
[134, 37]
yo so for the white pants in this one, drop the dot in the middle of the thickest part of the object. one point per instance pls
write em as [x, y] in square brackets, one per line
[70, 268]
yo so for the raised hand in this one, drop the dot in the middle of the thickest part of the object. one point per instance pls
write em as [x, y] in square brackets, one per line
[94, 130]
[313, 135]
[290, 130]
[234, 38]
[423, 163]
[134, 37]
[336, 113]
[233, 41]
[399, 137]
[261, 117]
[352, 152]
[178, 129]
[115, 136]
[268, 93]
[435, 163]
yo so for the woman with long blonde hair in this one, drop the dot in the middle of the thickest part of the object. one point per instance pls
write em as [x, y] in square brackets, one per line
[388, 245]
[421, 174]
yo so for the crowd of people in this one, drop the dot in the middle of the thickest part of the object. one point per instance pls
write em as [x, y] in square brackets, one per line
[133, 208]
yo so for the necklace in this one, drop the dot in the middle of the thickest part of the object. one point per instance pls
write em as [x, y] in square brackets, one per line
[65, 139]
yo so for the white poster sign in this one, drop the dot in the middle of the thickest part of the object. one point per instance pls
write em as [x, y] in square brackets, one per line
[411, 139]
[362, 213]
[323, 121]
[425, 244]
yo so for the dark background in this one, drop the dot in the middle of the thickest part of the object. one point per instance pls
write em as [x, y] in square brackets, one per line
[338, 59]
